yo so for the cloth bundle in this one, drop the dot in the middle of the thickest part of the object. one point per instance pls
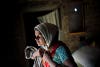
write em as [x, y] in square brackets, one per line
[29, 50]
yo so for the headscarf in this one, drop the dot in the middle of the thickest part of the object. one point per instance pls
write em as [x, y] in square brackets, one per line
[48, 31]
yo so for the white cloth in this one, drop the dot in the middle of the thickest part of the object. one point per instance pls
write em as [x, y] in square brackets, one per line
[87, 56]
[29, 50]
[37, 62]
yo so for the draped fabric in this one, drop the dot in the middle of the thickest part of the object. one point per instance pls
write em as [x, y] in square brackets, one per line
[29, 50]
[48, 31]
[38, 62]
[87, 56]
[52, 17]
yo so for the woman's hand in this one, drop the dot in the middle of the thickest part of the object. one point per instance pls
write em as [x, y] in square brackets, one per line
[38, 53]
[47, 58]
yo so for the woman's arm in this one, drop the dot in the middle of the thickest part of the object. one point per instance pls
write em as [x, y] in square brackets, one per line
[65, 57]
[66, 63]
[69, 63]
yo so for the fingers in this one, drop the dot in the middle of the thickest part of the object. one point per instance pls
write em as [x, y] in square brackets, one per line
[41, 52]
[46, 57]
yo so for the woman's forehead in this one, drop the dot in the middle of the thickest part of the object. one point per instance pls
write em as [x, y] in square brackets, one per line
[37, 32]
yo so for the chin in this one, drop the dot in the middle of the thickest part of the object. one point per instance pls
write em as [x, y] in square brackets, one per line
[39, 45]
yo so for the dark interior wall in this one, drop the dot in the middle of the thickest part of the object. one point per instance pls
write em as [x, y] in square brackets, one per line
[76, 18]
[92, 19]
[12, 47]
[16, 36]
[29, 22]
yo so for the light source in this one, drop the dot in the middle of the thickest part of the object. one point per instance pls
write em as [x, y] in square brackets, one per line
[75, 9]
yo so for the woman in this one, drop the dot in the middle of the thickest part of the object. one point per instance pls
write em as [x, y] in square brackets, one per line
[54, 53]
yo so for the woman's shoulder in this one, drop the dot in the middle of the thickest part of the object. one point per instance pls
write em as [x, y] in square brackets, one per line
[60, 49]
[63, 47]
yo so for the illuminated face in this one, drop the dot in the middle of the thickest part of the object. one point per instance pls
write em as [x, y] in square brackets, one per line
[39, 38]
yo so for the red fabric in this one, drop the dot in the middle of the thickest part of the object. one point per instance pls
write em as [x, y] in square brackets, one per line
[55, 46]
[45, 64]
[53, 50]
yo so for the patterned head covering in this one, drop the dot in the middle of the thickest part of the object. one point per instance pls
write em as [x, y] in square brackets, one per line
[48, 31]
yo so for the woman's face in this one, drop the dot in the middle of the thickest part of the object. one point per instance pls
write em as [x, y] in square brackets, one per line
[39, 38]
